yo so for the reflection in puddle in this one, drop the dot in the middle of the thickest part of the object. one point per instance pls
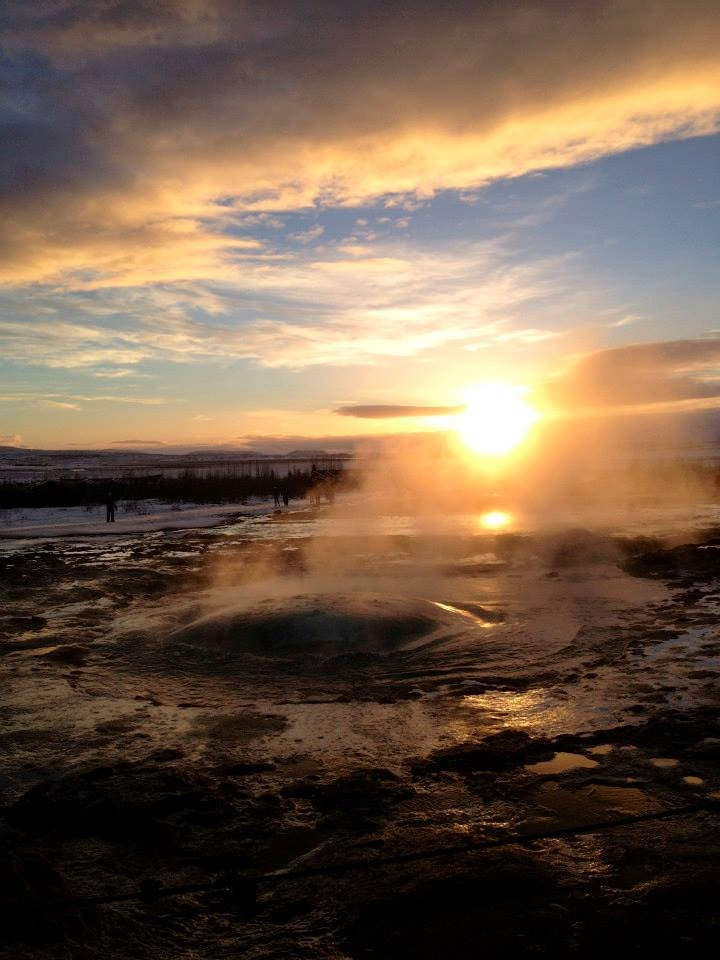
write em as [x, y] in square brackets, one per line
[561, 763]
[531, 709]
[595, 800]
[693, 781]
[664, 762]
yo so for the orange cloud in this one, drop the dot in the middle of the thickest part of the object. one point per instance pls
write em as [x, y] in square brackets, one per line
[153, 126]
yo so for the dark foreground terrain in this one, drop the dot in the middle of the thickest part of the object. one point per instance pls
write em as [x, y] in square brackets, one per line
[225, 744]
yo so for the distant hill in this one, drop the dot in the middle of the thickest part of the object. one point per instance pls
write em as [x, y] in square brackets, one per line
[313, 453]
[221, 452]
[23, 454]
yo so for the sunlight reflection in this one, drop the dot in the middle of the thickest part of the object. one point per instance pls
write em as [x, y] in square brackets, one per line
[495, 519]
[449, 608]
[528, 709]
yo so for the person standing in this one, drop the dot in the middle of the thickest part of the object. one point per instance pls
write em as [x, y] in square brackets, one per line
[110, 508]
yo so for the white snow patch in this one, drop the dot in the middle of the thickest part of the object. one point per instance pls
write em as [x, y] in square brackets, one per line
[152, 515]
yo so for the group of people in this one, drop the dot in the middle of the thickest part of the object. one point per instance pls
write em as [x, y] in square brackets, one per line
[320, 487]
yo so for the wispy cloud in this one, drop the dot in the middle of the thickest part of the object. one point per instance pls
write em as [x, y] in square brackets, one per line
[310, 235]
[141, 401]
[61, 405]
[67, 401]
[625, 321]
[398, 301]
[119, 374]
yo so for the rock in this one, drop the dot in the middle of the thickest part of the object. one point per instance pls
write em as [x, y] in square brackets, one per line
[502, 751]
[247, 768]
[22, 624]
[71, 653]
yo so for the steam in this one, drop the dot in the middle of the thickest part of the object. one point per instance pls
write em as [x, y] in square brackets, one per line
[423, 514]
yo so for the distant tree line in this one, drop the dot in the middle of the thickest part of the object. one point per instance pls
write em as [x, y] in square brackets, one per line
[187, 488]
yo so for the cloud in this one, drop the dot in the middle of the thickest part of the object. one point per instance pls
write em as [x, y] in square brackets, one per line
[392, 411]
[311, 310]
[676, 375]
[625, 321]
[10, 439]
[137, 443]
[61, 405]
[142, 401]
[118, 374]
[66, 401]
[309, 235]
[140, 134]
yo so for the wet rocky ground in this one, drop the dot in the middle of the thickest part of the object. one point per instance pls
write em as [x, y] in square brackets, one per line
[221, 744]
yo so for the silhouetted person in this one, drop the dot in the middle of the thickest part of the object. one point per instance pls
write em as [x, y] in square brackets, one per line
[110, 508]
[286, 498]
[276, 496]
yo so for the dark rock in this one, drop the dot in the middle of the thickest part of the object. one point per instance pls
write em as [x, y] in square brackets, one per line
[22, 624]
[134, 804]
[358, 797]
[71, 653]
[690, 561]
[245, 769]
[166, 754]
[468, 916]
[502, 751]
[363, 791]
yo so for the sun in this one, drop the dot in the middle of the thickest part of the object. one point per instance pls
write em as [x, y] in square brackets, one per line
[495, 519]
[496, 419]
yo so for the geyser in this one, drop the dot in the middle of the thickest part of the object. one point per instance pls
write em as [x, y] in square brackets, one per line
[320, 626]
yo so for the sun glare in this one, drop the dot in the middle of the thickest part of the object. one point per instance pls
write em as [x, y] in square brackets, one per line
[497, 418]
[495, 519]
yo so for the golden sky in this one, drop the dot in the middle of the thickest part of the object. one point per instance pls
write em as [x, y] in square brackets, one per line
[226, 221]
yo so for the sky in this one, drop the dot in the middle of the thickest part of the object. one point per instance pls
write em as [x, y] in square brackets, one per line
[288, 223]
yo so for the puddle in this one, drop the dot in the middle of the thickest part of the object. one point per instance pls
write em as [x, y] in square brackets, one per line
[685, 645]
[561, 763]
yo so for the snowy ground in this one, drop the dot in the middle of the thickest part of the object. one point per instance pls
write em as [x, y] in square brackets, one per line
[131, 517]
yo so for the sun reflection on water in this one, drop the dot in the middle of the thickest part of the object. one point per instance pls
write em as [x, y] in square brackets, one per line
[530, 709]
[449, 608]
